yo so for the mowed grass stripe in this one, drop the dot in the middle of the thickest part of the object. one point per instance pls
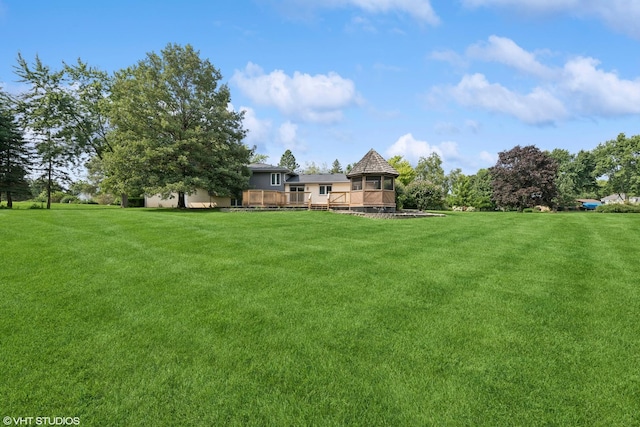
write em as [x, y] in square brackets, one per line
[129, 317]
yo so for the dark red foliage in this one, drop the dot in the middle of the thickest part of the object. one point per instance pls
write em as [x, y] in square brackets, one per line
[524, 177]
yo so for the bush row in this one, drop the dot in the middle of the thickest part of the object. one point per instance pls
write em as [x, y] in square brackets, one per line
[618, 208]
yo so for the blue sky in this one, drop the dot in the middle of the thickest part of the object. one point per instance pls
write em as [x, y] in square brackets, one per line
[330, 79]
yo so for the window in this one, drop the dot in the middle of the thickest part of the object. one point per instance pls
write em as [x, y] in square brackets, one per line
[388, 183]
[373, 183]
[275, 179]
[356, 183]
[325, 189]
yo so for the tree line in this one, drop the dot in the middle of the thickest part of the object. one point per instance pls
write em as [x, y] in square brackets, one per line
[524, 177]
[164, 126]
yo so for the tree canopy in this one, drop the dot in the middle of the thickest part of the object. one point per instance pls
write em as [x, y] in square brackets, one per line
[524, 177]
[404, 168]
[288, 161]
[15, 155]
[336, 167]
[44, 110]
[173, 129]
[430, 169]
[619, 160]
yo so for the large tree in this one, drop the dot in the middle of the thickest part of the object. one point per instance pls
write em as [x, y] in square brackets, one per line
[481, 190]
[86, 124]
[15, 155]
[404, 168]
[174, 130]
[288, 161]
[44, 111]
[576, 176]
[336, 167]
[524, 177]
[619, 160]
[430, 169]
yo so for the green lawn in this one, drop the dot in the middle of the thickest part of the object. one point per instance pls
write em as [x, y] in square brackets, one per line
[156, 317]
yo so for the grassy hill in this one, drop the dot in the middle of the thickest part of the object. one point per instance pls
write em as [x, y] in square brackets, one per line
[160, 317]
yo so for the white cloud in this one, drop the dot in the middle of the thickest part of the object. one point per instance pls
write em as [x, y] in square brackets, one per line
[259, 130]
[418, 9]
[621, 15]
[446, 128]
[594, 91]
[506, 51]
[450, 56]
[473, 125]
[488, 158]
[537, 107]
[358, 22]
[412, 149]
[319, 98]
[448, 150]
[287, 134]
[547, 6]
[578, 88]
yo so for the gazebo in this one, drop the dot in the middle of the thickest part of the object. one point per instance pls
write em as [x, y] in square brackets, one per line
[373, 184]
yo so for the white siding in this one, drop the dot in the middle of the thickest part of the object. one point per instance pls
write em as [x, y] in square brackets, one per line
[199, 199]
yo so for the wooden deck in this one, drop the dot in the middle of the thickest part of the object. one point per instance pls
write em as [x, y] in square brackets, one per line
[335, 200]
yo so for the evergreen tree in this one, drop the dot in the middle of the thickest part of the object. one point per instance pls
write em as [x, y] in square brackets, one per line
[15, 157]
[288, 161]
[44, 111]
[336, 167]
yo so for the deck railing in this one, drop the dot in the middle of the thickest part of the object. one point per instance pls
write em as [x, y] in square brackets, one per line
[272, 198]
[335, 199]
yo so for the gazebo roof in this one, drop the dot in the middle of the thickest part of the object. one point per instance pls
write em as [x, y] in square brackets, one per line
[372, 163]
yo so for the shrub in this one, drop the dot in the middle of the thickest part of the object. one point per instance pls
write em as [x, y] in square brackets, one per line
[69, 199]
[136, 202]
[424, 195]
[618, 208]
[401, 196]
[56, 196]
[105, 199]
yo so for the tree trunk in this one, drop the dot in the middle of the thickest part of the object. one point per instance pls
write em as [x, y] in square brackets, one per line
[49, 185]
[124, 201]
[9, 200]
[181, 202]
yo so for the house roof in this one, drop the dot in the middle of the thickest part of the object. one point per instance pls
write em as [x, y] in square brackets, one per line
[263, 167]
[372, 163]
[613, 197]
[324, 178]
[588, 200]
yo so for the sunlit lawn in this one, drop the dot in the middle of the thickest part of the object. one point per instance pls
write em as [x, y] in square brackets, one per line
[160, 317]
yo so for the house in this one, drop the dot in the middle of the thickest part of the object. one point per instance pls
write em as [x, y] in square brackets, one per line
[200, 199]
[619, 198]
[369, 186]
